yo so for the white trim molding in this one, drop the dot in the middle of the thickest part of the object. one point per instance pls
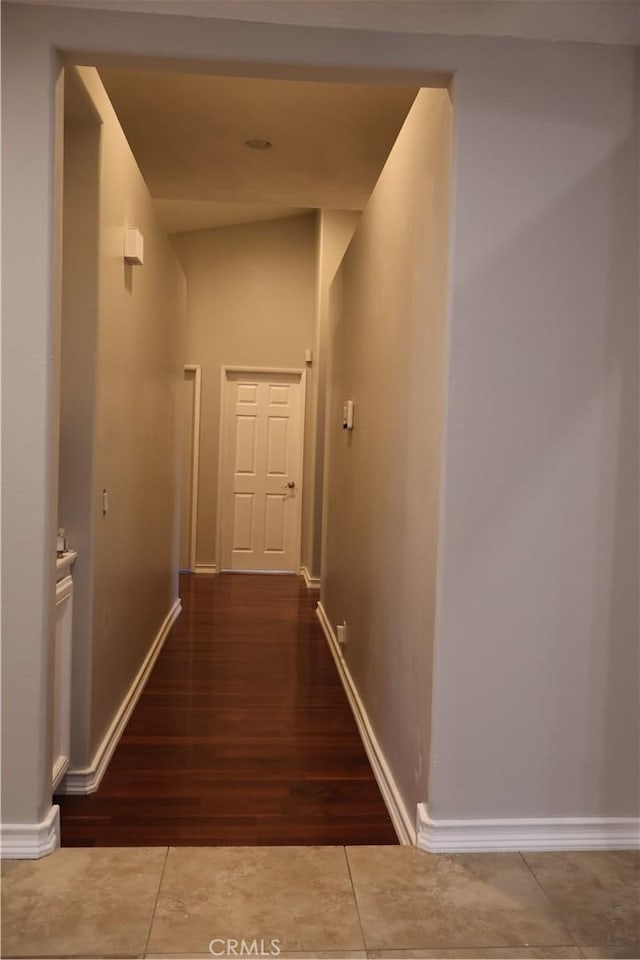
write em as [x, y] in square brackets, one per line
[30, 841]
[195, 369]
[205, 568]
[60, 767]
[87, 780]
[388, 787]
[61, 707]
[565, 833]
[311, 583]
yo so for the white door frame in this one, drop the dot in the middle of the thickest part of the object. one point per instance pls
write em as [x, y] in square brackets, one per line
[195, 459]
[222, 444]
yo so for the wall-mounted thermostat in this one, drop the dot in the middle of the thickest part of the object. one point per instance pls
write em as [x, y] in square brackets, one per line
[347, 415]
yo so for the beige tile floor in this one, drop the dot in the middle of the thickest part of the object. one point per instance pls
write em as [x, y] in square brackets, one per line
[322, 902]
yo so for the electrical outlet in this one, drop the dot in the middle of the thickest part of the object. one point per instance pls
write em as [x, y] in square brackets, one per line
[341, 631]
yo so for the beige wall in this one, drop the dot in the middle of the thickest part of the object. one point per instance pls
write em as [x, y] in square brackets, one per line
[334, 229]
[138, 369]
[383, 479]
[250, 302]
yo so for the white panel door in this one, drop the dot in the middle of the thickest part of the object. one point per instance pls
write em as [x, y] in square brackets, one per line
[261, 472]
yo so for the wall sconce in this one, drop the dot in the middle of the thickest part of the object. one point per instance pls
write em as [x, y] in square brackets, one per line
[133, 246]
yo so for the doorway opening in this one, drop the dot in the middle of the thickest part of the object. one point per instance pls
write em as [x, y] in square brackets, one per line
[291, 332]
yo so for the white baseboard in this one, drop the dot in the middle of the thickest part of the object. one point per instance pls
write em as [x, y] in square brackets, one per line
[388, 787]
[87, 780]
[205, 568]
[30, 841]
[462, 836]
[60, 767]
[311, 583]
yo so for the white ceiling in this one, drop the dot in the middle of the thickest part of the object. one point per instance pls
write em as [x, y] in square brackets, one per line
[595, 21]
[189, 132]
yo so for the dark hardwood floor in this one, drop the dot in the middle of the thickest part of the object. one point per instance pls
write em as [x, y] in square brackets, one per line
[243, 734]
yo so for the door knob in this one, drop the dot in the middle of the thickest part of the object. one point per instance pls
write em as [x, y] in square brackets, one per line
[291, 484]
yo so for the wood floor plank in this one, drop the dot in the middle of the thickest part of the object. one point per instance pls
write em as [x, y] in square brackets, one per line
[242, 736]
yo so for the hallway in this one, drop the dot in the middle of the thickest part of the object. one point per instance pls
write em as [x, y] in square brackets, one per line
[242, 736]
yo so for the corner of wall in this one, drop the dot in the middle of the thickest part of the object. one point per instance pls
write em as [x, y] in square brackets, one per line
[31, 841]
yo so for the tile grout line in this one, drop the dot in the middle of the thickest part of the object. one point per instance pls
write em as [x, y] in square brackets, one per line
[555, 912]
[355, 900]
[155, 905]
